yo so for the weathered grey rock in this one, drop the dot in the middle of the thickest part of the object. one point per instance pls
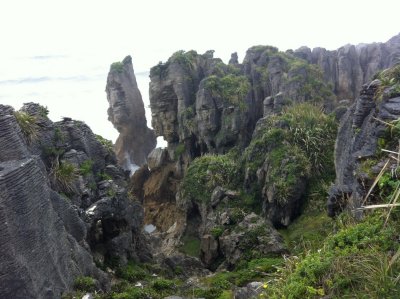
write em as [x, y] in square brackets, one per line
[234, 59]
[253, 233]
[251, 290]
[48, 240]
[35, 241]
[357, 140]
[157, 158]
[349, 67]
[209, 249]
[12, 142]
[126, 112]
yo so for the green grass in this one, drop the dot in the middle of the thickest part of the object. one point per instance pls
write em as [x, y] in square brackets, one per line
[132, 272]
[84, 283]
[191, 246]
[86, 168]
[358, 261]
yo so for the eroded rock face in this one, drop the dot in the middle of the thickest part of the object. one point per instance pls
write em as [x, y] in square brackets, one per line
[40, 254]
[126, 112]
[357, 142]
[349, 67]
[63, 205]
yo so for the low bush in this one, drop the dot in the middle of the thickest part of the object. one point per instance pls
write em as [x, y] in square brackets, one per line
[85, 283]
[207, 172]
[358, 260]
[131, 272]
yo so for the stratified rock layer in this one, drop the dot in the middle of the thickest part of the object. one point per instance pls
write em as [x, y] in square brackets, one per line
[357, 144]
[63, 206]
[39, 255]
[126, 112]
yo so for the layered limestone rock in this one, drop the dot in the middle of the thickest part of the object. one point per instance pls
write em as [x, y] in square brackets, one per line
[201, 105]
[349, 67]
[63, 206]
[40, 255]
[362, 131]
[126, 112]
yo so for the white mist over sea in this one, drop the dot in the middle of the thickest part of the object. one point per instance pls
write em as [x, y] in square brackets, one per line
[69, 85]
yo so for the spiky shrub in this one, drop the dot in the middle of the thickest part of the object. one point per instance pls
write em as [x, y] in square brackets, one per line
[28, 125]
[313, 131]
[64, 175]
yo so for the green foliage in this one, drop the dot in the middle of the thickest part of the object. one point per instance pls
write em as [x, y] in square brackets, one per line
[207, 172]
[185, 59]
[308, 231]
[106, 143]
[191, 246]
[211, 293]
[117, 67]
[53, 151]
[135, 293]
[64, 175]
[43, 111]
[179, 150]
[104, 176]
[58, 135]
[296, 144]
[357, 260]
[131, 272]
[217, 231]
[253, 270]
[28, 125]
[231, 88]
[313, 131]
[288, 166]
[161, 285]
[86, 167]
[309, 80]
[262, 48]
[85, 283]
[388, 184]
[390, 83]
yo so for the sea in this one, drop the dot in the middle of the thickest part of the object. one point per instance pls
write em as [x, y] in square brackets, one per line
[68, 85]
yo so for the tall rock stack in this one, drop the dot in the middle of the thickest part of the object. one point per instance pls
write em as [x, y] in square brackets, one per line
[127, 114]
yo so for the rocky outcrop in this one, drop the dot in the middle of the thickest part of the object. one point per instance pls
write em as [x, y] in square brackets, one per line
[201, 105]
[357, 150]
[349, 67]
[63, 205]
[126, 112]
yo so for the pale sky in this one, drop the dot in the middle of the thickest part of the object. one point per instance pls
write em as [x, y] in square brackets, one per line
[58, 52]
